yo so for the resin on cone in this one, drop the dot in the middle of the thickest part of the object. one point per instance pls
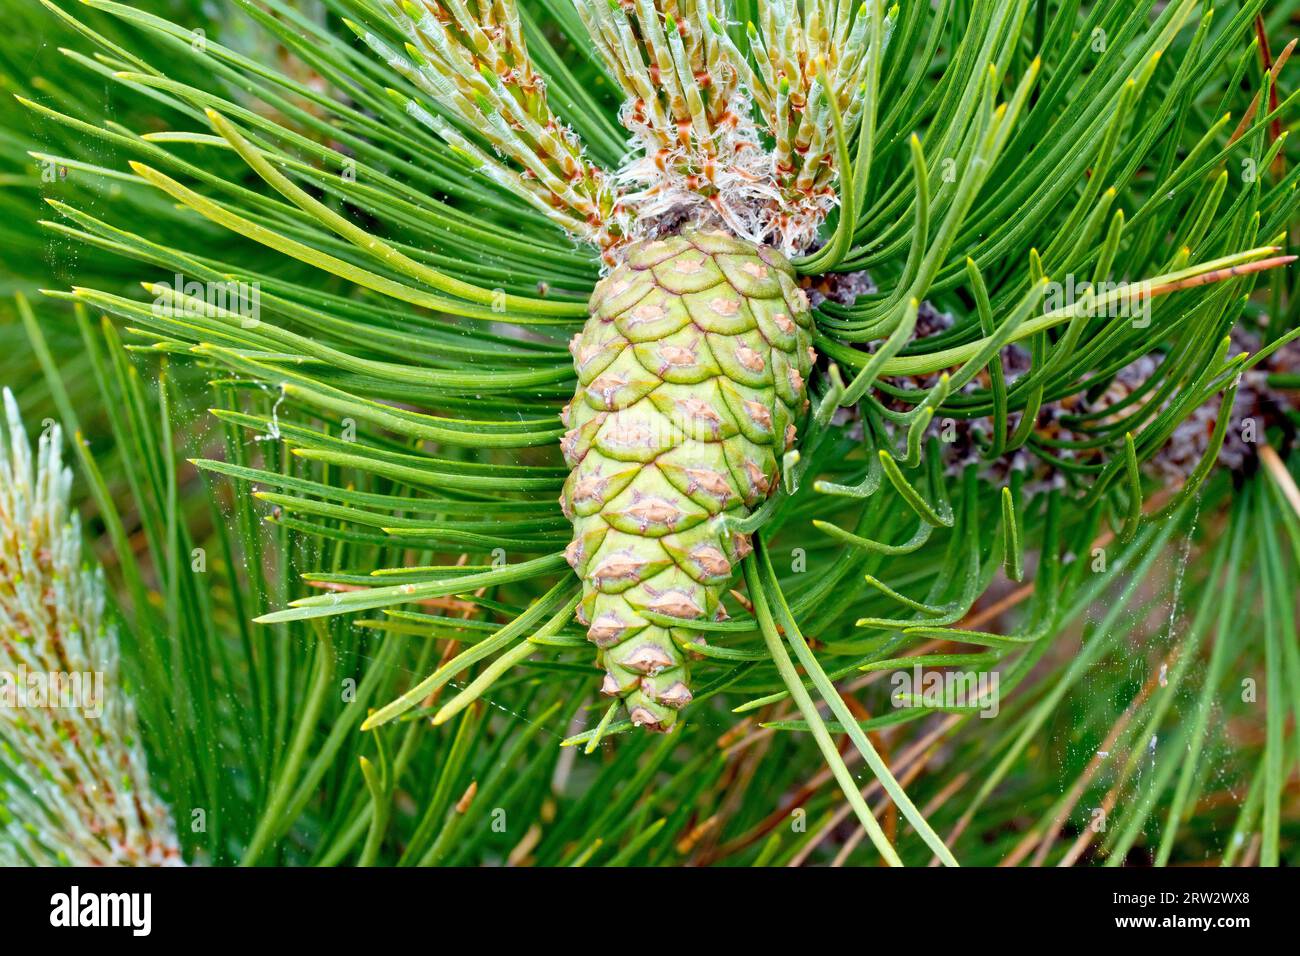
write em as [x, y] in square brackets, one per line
[691, 387]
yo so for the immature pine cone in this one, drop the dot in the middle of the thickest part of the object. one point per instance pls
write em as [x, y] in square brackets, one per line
[691, 381]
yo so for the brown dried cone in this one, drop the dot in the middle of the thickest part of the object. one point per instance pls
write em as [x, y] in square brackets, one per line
[691, 386]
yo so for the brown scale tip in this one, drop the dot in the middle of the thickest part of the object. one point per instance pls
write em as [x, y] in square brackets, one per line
[676, 604]
[589, 488]
[606, 630]
[650, 312]
[699, 408]
[710, 480]
[759, 413]
[643, 718]
[711, 560]
[618, 567]
[676, 355]
[677, 696]
[648, 659]
[744, 546]
[724, 307]
[654, 510]
[750, 359]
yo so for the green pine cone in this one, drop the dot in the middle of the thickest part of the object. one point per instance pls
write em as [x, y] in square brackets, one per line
[691, 382]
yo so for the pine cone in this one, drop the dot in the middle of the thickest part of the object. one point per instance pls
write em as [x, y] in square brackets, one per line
[691, 375]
